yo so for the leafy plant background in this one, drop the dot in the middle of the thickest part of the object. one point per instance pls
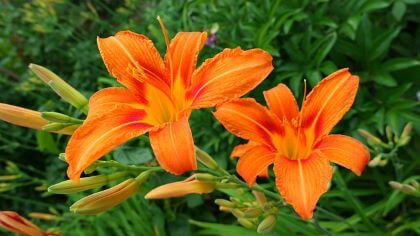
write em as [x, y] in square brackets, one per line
[378, 40]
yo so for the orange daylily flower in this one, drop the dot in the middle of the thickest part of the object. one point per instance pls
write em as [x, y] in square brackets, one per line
[159, 96]
[298, 143]
[14, 222]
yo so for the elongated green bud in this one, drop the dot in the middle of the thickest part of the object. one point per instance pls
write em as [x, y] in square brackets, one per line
[405, 135]
[205, 177]
[223, 202]
[238, 213]
[107, 199]
[63, 89]
[206, 159]
[253, 212]
[59, 117]
[69, 186]
[389, 133]
[246, 223]
[267, 225]
[9, 177]
[407, 130]
[370, 138]
[260, 197]
[408, 189]
[54, 126]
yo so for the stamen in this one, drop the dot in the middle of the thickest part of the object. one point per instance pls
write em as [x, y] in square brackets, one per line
[303, 100]
[164, 31]
[296, 153]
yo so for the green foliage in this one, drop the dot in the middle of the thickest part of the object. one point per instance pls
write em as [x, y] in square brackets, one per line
[377, 39]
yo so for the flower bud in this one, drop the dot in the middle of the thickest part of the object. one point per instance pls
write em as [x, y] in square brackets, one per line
[54, 126]
[63, 89]
[370, 138]
[238, 213]
[395, 185]
[43, 216]
[375, 161]
[69, 186]
[225, 203]
[60, 118]
[403, 140]
[225, 209]
[267, 225]
[260, 197]
[105, 200]
[181, 188]
[27, 118]
[246, 223]
[407, 130]
[205, 177]
[206, 159]
[408, 189]
[14, 222]
[253, 212]
[389, 133]
[4, 187]
[9, 177]
[383, 162]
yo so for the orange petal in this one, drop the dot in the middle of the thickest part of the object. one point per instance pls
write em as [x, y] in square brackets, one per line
[173, 146]
[100, 134]
[281, 102]
[132, 58]
[241, 149]
[182, 53]
[255, 162]
[249, 120]
[12, 221]
[345, 151]
[329, 101]
[106, 100]
[302, 182]
[230, 74]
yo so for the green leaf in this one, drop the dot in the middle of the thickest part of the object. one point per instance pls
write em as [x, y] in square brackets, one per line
[132, 156]
[46, 142]
[398, 10]
[223, 229]
[385, 79]
[400, 64]
[325, 48]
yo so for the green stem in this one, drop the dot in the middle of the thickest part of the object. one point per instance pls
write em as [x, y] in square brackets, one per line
[126, 167]
[222, 172]
[354, 201]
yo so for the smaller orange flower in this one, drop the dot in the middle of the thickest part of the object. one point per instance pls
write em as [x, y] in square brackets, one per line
[298, 143]
[14, 222]
[181, 188]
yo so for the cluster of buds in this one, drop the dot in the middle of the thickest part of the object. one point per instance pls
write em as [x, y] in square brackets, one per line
[386, 150]
[48, 121]
[259, 214]
[411, 188]
[12, 173]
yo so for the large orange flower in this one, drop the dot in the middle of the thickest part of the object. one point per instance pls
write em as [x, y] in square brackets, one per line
[159, 96]
[298, 143]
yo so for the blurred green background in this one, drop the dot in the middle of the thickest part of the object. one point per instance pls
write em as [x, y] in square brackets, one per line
[378, 40]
